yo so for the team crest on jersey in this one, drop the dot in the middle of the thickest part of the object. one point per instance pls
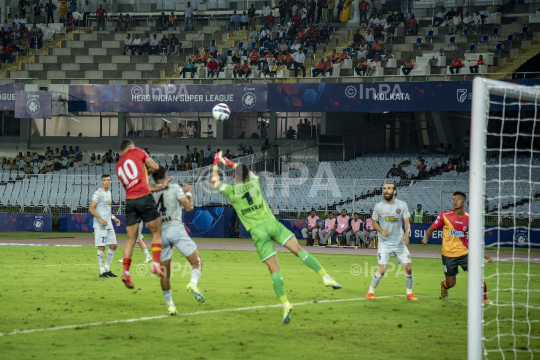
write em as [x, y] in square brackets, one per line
[464, 228]
[398, 211]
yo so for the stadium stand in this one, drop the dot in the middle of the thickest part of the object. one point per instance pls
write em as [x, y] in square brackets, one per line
[96, 56]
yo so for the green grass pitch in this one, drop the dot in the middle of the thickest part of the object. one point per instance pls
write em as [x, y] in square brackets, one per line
[45, 287]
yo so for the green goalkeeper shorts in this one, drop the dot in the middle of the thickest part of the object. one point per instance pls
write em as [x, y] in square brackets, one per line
[263, 235]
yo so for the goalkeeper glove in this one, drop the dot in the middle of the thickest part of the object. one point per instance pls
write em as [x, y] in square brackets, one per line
[228, 162]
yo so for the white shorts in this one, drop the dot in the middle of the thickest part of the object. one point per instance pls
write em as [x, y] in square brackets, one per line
[176, 237]
[400, 251]
[104, 237]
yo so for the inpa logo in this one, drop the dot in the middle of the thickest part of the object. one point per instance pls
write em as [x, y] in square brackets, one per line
[249, 100]
[32, 106]
[461, 95]
[521, 237]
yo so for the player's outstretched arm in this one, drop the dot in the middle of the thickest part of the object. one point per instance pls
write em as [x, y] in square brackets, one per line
[152, 165]
[215, 171]
[429, 232]
[166, 183]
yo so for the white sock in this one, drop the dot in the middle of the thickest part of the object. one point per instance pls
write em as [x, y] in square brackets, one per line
[168, 297]
[195, 276]
[285, 304]
[409, 281]
[110, 256]
[327, 277]
[145, 251]
[100, 261]
[375, 282]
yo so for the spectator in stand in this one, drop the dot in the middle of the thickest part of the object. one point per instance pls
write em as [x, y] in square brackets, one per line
[299, 59]
[172, 21]
[467, 21]
[377, 47]
[480, 61]
[441, 149]
[200, 159]
[161, 22]
[51, 8]
[64, 152]
[213, 49]
[254, 58]
[154, 45]
[357, 38]
[28, 169]
[41, 167]
[244, 21]
[373, 66]
[456, 65]
[98, 161]
[400, 19]
[370, 39]
[343, 56]
[439, 18]
[145, 45]
[237, 68]
[78, 163]
[291, 133]
[386, 58]
[362, 51]
[265, 35]
[408, 66]
[92, 158]
[270, 20]
[190, 67]
[163, 44]
[165, 130]
[319, 68]
[435, 59]
[136, 45]
[412, 26]
[484, 14]
[331, 4]
[78, 152]
[119, 23]
[71, 8]
[57, 154]
[87, 10]
[234, 20]
[28, 158]
[251, 16]
[117, 158]
[476, 24]
[212, 66]
[188, 17]
[454, 24]
[462, 167]
[14, 166]
[128, 41]
[372, 22]
[107, 158]
[101, 13]
[127, 23]
[174, 45]
[328, 66]
[450, 166]
[71, 159]
[63, 9]
[246, 69]
[363, 7]
[422, 169]
[361, 67]
[236, 57]
[253, 35]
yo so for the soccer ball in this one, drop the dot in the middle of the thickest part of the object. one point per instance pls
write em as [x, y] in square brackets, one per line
[221, 112]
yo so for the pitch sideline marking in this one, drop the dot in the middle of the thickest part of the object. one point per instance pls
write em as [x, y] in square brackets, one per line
[14, 332]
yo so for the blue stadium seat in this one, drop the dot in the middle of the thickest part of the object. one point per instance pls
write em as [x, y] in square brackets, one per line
[510, 38]
[241, 45]
[472, 47]
[498, 48]
[452, 41]
[524, 31]
[430, 35]
[418, 42]
[484, 39]
[495, 31]
[465, 33]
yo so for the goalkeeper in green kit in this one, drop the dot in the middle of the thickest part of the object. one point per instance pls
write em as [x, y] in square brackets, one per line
[247, 200]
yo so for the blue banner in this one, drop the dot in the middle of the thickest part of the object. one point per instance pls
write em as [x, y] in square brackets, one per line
[8, 95]
[26, 222]
[167, 98]
[210, 222]
[33, 104]
[371, 97]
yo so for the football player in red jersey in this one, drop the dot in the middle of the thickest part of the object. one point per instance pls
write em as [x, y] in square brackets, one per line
[140, 204]
[455, 246]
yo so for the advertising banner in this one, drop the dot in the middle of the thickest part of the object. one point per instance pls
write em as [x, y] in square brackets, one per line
[26, 222]
[33, 104]
[167, 98]
[8, 95]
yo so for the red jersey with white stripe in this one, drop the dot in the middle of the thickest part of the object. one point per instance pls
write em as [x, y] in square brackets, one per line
[454, 241]
[132, 173]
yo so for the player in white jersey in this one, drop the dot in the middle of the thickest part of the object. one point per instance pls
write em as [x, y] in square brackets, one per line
[388, 216]
[173, 234]
[142, 245]
[104, 234]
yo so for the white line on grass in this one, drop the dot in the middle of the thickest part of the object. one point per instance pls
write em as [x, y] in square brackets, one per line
[15, 332]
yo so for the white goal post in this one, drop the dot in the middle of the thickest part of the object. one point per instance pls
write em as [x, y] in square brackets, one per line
[483, 89]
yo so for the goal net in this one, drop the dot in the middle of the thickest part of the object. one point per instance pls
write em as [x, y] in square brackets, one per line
[504, 221]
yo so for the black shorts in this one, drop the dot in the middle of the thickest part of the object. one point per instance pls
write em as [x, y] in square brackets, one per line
[143, 208]
[450, 264]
